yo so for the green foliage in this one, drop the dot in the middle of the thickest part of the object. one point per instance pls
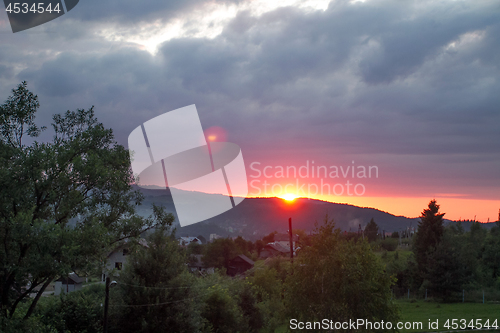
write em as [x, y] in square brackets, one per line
[268, 287]
[491, 257]
[241, 246]
[17, 116]
[221, 311]
[194, 248]
[445, 271]
[229, 305]
[371, 231]
[31, 325]
[155, 291]
[79, 311]
[62, 203]
[259, 245]
[269, 238]
[388, 244]
[336, 278]
[219, 252]
[429, 233]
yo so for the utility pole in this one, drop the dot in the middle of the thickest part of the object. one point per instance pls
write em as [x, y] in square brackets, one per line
[291, 239]
[106, 304]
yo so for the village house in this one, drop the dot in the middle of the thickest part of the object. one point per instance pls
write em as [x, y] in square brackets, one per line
[239, 265]
[117, 258]
[69, 283]
[284, 240]
[185, 241]
[196, 265]
[273, 250]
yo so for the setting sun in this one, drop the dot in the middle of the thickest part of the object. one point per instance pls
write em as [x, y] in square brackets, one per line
[289, 197]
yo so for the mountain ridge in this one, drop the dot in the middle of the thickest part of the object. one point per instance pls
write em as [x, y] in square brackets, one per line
[258, 216]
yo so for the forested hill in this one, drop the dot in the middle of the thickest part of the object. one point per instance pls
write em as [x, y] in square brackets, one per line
[255, 217]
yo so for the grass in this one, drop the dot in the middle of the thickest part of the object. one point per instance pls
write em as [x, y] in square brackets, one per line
[421, 311]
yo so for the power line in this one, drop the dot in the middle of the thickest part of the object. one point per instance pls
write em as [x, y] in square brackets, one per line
[164, 303]
[138, 286]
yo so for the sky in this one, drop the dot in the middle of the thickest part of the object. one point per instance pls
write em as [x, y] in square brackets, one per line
[406, 89]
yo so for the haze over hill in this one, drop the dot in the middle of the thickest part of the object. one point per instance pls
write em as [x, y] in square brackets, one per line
[256, 217]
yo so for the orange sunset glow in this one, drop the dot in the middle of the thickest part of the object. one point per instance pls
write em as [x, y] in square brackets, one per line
[289, 197]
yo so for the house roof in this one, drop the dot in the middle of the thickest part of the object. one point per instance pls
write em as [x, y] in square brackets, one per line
[277, 247]
[190, 239]
[73, 277]
[244, 258]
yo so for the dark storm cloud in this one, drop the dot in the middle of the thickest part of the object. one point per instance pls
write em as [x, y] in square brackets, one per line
[410, 92]
[415, 80]
[133, 11]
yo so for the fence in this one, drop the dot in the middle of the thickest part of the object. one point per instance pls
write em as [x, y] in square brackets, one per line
[487, 295]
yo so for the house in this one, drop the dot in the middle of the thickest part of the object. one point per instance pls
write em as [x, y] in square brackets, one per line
[117, 258]
[67, 284]
[284, 240]
[196, 265]
[185, 241]
[239, 265]
[214, 237]
[273, 250]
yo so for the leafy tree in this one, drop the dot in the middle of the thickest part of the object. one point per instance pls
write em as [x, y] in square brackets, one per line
[194, 248]
[259, 245]
[371, 231]
[341, 279]
[228, 305]
[388, 244]
[241, 245]
[268, 288]
[491, 255]
[221, 310]
[156, 290]
[219, 252]
[446, 271]
[78, 311]
[269, 238]
[62, 203]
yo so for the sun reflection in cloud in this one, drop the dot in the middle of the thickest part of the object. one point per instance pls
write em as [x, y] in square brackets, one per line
[216, 133]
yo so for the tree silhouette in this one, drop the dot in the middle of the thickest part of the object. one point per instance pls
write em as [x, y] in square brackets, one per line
[371, 230]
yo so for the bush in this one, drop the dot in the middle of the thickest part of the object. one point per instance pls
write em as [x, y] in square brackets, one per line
[78, 311]
[389, 244]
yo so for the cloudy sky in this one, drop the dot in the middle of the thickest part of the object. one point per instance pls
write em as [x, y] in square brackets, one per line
[411, 87]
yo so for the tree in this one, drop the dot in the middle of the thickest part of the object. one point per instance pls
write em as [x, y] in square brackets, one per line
[269, 238]
[157, 290]
[447, 269]
[219, 252]
[62, 203]
[241, 245]
[337, 278]
[371, 231]
[78, 311]
[259, 245]
[429, 233]
[491, 256]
